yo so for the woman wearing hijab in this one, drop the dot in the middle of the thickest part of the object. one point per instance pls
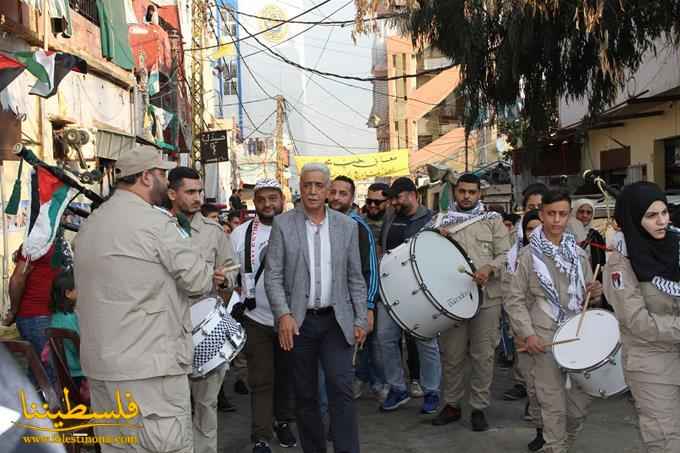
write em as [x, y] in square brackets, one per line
[642, 282]
[580, 224]
[524, 385]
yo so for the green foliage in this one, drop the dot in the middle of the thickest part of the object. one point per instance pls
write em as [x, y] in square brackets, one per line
[540, 51]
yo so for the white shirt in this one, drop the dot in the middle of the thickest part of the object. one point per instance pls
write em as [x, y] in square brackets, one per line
[326, 277]
[262, 313]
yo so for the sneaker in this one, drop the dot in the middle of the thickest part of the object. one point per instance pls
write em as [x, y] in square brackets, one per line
[448, 414]
[538, 442]
[395, 399]
[240, 387]
[478, 421]
[380, 392]
[261, 447]
[416, 390]
[430, 403]
[517, 392]
[357, 388]
[284, 434]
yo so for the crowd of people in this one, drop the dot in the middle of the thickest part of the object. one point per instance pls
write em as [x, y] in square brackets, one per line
[318, 334]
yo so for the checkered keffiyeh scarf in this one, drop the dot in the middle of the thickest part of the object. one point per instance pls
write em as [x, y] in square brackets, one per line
[455, 215]
[566, 258]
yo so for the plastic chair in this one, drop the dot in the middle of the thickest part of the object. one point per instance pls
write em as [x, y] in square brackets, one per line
[56, 338]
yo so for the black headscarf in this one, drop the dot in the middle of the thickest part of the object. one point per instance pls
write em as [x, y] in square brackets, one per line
[528, 217]
[649, 257]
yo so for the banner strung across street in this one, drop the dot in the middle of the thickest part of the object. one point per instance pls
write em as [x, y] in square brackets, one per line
[362, 166]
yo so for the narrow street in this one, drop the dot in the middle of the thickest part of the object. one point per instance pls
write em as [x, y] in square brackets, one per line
[611, 427]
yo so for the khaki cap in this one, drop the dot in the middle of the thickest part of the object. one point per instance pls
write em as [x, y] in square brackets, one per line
[139, 159]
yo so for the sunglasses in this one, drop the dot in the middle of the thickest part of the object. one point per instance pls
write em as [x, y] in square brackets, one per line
[374, 201]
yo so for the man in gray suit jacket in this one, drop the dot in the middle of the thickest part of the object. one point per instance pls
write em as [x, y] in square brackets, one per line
[317, 293]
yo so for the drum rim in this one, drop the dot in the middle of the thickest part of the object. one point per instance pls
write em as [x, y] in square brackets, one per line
[599, 364]
[395, 317]
[421, 281]
[211, 313]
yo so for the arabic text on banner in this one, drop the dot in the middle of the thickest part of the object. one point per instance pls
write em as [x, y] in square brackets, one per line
[362, 166]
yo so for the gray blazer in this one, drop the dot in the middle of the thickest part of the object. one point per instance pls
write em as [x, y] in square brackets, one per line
[286, 275]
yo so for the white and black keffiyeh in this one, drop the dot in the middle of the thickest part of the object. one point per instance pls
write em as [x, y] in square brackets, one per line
[513, 253]
[455, 215]
[566, 259]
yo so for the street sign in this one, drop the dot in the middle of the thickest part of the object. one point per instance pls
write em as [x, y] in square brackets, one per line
[214, 147]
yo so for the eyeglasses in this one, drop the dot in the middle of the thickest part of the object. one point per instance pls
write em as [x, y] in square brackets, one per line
[370, 201]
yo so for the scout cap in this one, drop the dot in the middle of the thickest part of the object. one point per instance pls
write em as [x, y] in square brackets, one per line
[139, 159]
[400, 185]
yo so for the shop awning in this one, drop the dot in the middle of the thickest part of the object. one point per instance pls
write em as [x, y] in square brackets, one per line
[111, 144]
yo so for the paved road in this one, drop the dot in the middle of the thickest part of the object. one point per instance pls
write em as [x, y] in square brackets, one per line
[611, 427]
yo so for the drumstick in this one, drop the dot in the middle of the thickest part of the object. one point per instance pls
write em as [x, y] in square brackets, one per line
[585, 306]
[357, 347]
[462, 270]
[231, 268]
[571, 340]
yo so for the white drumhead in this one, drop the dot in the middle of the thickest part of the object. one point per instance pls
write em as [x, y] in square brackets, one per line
[598, 339]
[438, 260]
[201, 309]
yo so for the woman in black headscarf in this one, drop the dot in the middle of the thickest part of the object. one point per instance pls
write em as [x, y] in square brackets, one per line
[642, 282]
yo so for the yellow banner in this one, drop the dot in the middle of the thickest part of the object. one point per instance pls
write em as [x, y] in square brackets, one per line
[361, 166]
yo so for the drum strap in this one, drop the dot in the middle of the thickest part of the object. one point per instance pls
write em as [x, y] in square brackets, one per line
[250, 302]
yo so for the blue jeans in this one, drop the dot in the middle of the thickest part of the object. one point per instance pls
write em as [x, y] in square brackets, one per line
[32, 329]
[389, 336]
[369, 363]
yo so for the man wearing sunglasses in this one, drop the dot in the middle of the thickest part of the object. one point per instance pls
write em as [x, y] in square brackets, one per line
[376, 205]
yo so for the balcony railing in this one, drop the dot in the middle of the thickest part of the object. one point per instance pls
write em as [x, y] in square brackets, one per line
[86, 8]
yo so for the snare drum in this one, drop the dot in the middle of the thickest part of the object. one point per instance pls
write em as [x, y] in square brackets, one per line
[217, 337]
[422, 287]
[593, 362]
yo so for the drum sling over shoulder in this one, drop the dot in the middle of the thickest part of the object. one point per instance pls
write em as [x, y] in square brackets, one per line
[250, 302]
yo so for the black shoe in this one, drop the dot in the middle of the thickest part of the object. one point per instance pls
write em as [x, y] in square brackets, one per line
[448, 414]
[241, 388]
[478, 421]
[284, 434]
[538, 442]
[518, 392]
[223, 403]
[261, 447]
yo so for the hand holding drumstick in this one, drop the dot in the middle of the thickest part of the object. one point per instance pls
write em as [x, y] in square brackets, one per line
[593, 287]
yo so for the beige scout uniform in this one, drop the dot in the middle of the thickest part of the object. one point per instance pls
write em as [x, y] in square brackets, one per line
[521, 368]
[133, 269]
[485, 242]
[650, 332]
[209, 238]
[563, 411]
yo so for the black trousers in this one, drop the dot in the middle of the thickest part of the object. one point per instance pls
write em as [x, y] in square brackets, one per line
[321, 339]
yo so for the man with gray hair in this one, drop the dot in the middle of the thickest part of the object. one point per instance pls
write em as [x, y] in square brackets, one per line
[318, 297]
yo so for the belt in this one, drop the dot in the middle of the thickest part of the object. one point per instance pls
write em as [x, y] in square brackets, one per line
[320, 311]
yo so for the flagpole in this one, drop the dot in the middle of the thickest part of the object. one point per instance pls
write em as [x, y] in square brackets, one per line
[5, 245]
[46, 25]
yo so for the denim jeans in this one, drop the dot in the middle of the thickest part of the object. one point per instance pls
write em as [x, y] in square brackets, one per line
[389, 337]
[369, 363]
[32, 329]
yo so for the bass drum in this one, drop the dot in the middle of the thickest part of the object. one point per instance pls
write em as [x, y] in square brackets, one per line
[423, 288]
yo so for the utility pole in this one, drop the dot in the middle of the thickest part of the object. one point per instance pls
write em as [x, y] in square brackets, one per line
[199, 19]
[280, 112]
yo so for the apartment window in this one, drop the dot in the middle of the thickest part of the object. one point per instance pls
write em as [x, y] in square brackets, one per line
[86, 8]
[230, 78]
[227, 24]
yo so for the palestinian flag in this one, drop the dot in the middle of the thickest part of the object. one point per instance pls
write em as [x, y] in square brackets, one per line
[9, 70]
[62, 65]
[39, 63]
[48, 200]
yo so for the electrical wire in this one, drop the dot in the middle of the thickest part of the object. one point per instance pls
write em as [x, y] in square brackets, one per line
[332, 74]
[298, 33]
[333, 23]
[257, 129]
[318, 60]
[234, 41]
[308, 121]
